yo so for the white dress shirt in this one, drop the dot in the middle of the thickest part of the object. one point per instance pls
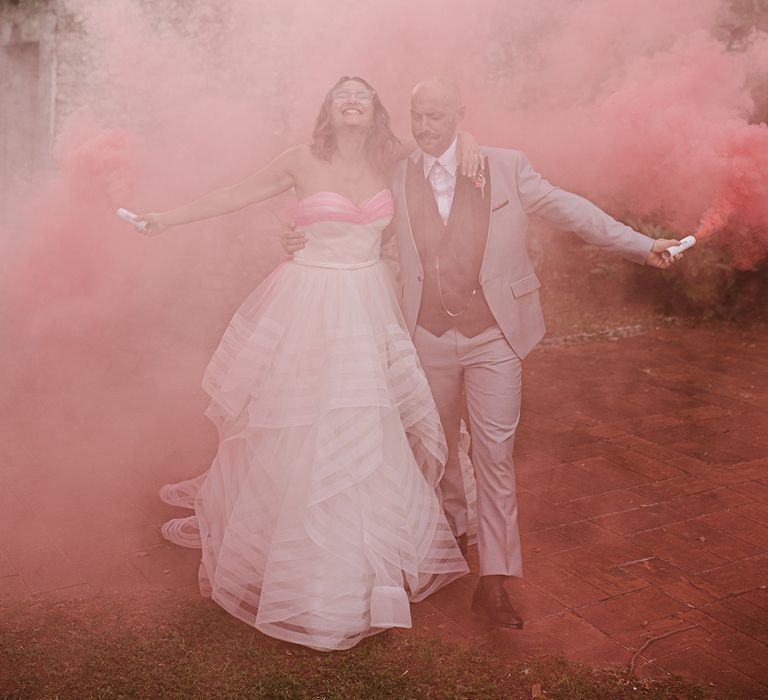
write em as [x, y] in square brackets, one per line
[441, 173]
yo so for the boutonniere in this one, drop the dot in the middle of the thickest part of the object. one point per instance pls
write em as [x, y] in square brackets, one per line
[479, 181]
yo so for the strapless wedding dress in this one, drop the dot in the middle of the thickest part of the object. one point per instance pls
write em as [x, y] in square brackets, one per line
[318, 519]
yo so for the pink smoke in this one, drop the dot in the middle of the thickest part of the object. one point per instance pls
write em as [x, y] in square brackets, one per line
[652, 120]
[644, 109]
[744, 192]
[649, 109]
[67, 253]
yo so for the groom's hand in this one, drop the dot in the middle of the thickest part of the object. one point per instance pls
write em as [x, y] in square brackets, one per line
[656, 257]
[293, 240]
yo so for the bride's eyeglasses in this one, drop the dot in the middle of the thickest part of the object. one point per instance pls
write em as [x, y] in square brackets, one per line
[364, 97]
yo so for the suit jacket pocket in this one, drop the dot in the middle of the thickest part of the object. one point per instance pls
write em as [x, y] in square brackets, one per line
[525, 285]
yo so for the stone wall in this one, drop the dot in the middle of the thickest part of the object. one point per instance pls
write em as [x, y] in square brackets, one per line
[50, 67]
[28, 78]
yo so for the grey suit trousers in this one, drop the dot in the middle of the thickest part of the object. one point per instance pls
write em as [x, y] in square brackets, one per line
[491, 374]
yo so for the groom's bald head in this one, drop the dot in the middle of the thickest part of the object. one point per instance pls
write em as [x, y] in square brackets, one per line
[436, 110]
[439, 89]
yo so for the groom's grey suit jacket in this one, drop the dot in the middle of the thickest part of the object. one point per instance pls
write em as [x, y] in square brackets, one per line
[507, 276]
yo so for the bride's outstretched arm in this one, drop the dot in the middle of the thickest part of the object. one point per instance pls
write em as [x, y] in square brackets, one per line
[277, 177]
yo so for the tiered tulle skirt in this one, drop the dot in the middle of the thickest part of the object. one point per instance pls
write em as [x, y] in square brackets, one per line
[319, 518]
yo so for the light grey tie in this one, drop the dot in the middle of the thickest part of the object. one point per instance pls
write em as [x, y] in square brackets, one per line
[437, 175]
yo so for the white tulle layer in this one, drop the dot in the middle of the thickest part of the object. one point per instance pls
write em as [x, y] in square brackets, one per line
[319, 519]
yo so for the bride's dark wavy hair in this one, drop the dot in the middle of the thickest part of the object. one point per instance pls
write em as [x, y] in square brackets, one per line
[382, 146]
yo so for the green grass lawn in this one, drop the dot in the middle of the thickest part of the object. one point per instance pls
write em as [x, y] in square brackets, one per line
[165, 646]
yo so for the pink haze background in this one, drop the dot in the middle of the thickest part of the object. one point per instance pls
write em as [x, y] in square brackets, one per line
[642, 107]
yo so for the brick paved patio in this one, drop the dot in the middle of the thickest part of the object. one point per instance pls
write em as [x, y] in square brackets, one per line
[643, 477]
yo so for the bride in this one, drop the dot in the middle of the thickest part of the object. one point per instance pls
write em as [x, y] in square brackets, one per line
[318, 519]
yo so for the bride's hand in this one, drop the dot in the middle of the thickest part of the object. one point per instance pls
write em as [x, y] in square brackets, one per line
[155, 224]
[293, 240]
[468, 155]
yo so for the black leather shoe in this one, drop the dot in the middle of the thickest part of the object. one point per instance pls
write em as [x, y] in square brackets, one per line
[461, 540]
[492, 604]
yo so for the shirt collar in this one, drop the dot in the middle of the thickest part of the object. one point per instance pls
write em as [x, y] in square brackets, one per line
[447, 160]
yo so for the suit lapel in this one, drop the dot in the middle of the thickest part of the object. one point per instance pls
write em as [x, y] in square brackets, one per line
[402, 193]
[494, 191]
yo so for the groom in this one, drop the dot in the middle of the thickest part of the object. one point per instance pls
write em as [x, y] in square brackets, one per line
[470, 298]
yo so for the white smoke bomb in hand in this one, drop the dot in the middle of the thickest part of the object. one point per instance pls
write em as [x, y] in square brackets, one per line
[685, 243]
[132, 219]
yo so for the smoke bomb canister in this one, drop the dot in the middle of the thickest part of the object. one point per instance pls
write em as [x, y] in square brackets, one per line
[685, 243]
[131, 218]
